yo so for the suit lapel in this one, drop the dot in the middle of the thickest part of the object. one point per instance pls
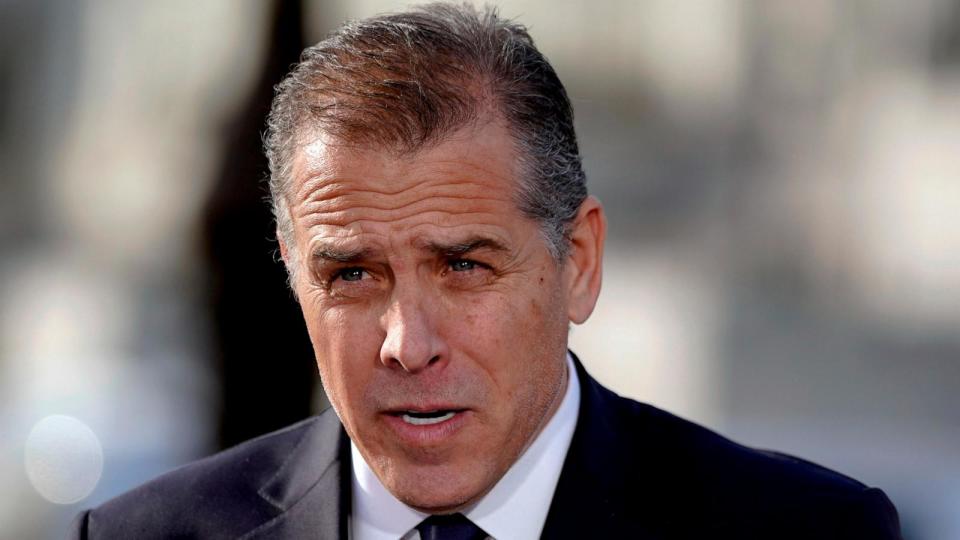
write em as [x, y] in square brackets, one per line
[312, 489]
[597, 496]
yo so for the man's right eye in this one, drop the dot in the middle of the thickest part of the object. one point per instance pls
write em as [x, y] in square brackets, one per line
[350, 274]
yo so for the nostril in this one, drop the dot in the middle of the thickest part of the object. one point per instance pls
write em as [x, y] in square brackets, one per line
[434, 360]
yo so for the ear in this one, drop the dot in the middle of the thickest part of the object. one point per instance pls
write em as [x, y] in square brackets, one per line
[284, 254]
[584, 265]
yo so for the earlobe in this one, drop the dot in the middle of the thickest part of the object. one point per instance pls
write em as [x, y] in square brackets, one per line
[584, 268]
[285, 256]
[283, 250]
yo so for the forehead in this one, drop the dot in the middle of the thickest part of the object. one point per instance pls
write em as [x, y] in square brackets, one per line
[468, 179]
[487, 146]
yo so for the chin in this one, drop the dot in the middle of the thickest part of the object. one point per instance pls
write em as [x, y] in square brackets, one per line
[435, 507]
[437, 491]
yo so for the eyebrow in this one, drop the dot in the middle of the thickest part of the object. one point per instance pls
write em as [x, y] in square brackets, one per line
[330, 253]
[455, 249]
[458, 249]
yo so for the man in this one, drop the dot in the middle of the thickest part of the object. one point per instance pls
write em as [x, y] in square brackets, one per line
[432, 213]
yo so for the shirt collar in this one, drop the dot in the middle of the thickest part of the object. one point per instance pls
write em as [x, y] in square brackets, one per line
[516, 507]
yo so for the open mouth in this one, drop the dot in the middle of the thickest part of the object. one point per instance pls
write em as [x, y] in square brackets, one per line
[426, 418]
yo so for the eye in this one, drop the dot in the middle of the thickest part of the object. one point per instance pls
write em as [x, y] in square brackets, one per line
[350, 274]
[462, 265]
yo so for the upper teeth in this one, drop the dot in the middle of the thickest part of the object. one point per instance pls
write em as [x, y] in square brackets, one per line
[418, 421]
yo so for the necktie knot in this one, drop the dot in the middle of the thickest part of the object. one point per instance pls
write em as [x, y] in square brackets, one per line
[449, 527]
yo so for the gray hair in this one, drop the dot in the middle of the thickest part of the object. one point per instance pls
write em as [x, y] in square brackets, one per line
[402, 81]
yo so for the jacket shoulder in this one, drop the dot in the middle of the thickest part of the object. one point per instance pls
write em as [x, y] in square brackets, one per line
[215, 497]
[755, 492]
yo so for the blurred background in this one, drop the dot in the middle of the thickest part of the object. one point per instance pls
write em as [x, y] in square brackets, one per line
[783, 187]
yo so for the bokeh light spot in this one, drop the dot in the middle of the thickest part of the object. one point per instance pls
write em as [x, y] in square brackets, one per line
[63, 458]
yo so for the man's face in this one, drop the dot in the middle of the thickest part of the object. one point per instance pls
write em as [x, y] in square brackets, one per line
[437, 315]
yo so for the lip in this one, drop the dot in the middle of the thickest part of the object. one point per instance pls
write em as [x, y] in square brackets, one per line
[426, 434]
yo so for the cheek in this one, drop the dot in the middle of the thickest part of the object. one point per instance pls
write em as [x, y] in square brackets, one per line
[513, 334]
[346, 346]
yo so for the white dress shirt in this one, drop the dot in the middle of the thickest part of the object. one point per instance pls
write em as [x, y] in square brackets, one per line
[515, 509]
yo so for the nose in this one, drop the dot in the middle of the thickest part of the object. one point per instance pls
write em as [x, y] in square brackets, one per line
[412, 342]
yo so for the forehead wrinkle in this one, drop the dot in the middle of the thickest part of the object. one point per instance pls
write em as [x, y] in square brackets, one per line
[460, 164]
[415, 205]
[342, 210]
[321, 185]
[314, 186]
[339, 201]
[341, 238]
[437, 238]
[324, 174]
[343, 220]
[338, 188]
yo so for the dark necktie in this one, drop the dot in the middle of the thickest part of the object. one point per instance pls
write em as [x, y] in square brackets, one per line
[450, 527]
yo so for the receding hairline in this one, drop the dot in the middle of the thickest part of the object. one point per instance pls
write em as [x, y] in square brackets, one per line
[300, 178]
[483, 104]
[463, 93]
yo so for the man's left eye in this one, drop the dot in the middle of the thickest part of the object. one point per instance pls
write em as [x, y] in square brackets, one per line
[462, 265]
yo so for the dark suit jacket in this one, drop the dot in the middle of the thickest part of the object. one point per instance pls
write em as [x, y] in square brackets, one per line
[633, 471]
